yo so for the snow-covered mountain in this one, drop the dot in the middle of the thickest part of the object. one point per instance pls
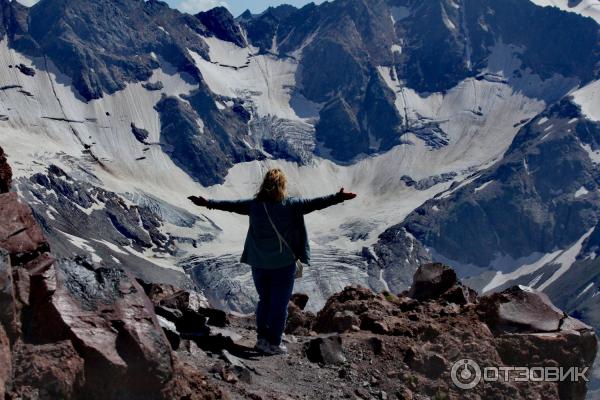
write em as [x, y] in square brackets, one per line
[467, 128]
[587, 8]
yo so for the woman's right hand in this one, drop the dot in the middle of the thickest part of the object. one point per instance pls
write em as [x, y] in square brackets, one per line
[346, 195]
[198, 200]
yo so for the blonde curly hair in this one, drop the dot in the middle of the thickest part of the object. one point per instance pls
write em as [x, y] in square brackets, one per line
[273, 187]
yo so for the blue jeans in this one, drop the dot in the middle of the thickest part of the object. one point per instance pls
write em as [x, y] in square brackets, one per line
[274, 287]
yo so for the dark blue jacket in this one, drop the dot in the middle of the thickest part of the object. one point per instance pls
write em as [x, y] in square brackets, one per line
[262, 248]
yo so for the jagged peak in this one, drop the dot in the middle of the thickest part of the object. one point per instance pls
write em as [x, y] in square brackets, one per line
[220, 22]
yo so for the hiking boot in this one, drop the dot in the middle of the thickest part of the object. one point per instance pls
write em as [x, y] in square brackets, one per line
[262, 345]
[289, 339]
[278, 350]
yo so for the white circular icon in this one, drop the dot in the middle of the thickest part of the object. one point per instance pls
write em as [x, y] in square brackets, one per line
[465, 374]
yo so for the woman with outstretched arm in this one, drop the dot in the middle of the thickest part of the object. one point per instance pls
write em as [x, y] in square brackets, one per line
[276, 246]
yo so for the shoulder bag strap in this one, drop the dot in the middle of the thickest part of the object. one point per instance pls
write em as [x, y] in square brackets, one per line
[279, 236]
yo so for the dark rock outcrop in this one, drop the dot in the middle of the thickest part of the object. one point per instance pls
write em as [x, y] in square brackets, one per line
[431, 280]
[325, 350]
[398, 255]
[140, 134]
[63, 203]
[153, 86]
[221, 23]
[205, 152]
[437, 281]
[25, 70]
[111, 48]
[5, 173]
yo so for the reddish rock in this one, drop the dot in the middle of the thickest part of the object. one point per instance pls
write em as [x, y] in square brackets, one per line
[5, 173]
[355, 299]
[156, 292]
[5, 364]
[20, 235]
[40, 264]
[8, 306]
[113, 326]
[563, 348]
[428, 335]
[22, 285]
[460, 294]
[520, 309]
[189, 384]
[299, 322]
[345, 321]
[300, 300]
[375, 322]
[530, 331]
[378, 346]
[432, 280]
[188, 309]
[184, 300]
[48, 371]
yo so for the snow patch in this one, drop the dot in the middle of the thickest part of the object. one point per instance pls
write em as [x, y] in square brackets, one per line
[588, 287]
[447, 22]
[525, 269]
[83, 245]
[472, 140]
[266, 81]
[566, 259]
[527, 288]
[535, 280]
[483, 186]
[593, 154]
[111, 246]
[226, 53]
[582, 191]
[588, 98]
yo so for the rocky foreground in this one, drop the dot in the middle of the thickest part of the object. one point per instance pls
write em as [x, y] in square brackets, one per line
[70, 329]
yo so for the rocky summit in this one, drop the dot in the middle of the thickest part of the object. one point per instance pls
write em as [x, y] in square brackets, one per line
[74, 329]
